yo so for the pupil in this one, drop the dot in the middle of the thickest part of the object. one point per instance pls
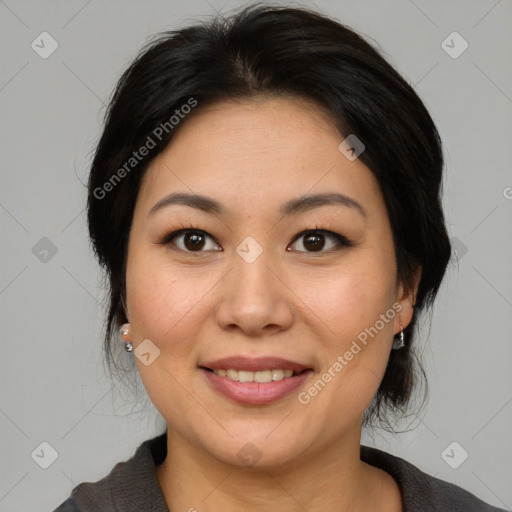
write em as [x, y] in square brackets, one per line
[314, 242]
[194, 241]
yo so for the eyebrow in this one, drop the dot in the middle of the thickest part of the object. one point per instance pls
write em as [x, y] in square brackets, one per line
[291, 207]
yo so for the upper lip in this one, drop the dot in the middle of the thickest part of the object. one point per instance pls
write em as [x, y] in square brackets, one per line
[254, 364]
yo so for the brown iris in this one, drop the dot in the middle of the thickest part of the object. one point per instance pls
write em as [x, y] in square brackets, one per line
[314, 241]
[194, 240]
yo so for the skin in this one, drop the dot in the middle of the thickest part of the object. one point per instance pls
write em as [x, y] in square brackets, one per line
[252, 156]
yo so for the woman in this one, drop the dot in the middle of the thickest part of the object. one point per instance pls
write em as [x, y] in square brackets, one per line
[265, 200]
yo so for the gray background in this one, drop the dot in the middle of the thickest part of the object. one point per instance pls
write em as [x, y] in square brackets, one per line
[53, 385]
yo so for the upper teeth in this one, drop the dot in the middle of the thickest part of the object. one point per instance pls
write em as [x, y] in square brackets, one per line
[261, 376]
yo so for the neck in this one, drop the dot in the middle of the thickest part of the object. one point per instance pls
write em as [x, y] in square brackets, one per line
[333, 479]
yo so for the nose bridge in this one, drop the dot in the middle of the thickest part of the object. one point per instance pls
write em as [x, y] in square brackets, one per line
[254, 297]
[252, 277]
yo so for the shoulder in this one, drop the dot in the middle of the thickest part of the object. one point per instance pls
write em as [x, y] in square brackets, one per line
[132, 485]
[67, 506]
[422, 492]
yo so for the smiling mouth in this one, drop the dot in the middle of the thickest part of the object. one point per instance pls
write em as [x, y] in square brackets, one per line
[255, 382]
[261, 376]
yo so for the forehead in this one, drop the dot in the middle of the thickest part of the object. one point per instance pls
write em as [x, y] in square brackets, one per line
[257, 151]
[262, 123]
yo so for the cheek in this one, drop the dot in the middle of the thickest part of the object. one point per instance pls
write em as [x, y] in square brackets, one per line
[351, 298]
[161, 303]
[164, 308]
[150, 295]
[356, 344]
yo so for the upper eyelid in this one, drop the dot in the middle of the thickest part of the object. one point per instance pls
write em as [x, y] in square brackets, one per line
[340, 238]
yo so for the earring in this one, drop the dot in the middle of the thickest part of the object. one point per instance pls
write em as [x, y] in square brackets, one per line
[400, 343]
[125, 331]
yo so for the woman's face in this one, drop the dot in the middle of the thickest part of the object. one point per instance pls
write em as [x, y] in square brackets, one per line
[247, 291]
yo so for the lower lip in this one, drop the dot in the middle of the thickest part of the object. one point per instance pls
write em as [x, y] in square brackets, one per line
[255, 393]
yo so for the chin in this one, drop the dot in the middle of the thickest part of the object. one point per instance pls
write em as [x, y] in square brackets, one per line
[254, 458]
[258, 451]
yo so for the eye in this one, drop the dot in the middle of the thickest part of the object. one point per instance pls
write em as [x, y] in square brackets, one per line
[191, 240]
[319, 240]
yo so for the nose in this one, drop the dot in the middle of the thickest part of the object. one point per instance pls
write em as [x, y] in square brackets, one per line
[254, 299]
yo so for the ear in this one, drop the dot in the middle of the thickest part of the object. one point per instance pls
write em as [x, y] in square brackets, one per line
[407, 300]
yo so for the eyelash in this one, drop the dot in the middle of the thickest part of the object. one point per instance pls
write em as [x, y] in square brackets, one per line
[342, 241]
